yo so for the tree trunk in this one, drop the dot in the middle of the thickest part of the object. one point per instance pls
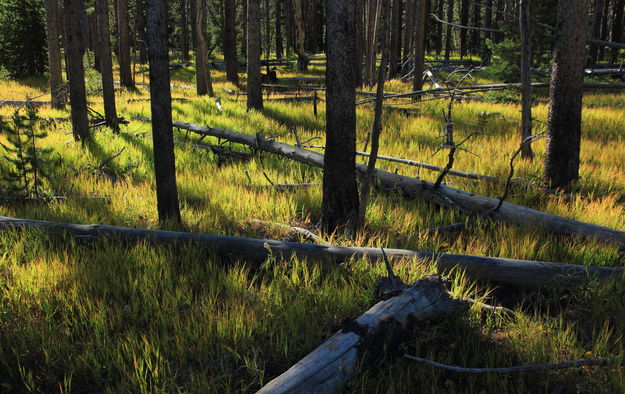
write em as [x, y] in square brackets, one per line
[230, 42]
[279, 45]
[438, 42]
[184, 31]
[254, 89]
[75, 71]
[125, 72]
[93, 41]
[192, 20]
[372, 42]
[204, 82]
[54, 55]
[448, 37]
[360, 40]
[106, 63]
[340, 191]
[160, 94]
[290, 27]
[395, 38]
[596, 31]
[141, 33]
[410, 26]
[419, 46]
[526, 82]
[565, 94]
[267, 34]
[476, 41]
[464, 20]
[300, 36]
[617, 26]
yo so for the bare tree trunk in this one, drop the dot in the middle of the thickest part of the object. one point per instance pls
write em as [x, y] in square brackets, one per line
[340, 191]
[617, 26]
[204, 82]
[230, 42]
[419, 46]
[125, 72]
[279, 45]
[596, 31]
[526, 82]
[464, 20]
[254, 89]
[360, 40]
[267, 34]
[75, 71]
[410, 26]
[565, 94]
[439, 28]
[54, 54]
[450, 19]
[372, 47]
[93, 41]
[184, 30]
[192, 20]
[476, 41]
[290, 27]
[106, 63]
[395, 38]
[160, 94]
[300, 36]
[141, 33]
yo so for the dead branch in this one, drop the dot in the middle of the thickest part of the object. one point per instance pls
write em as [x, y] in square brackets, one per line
[307, 234]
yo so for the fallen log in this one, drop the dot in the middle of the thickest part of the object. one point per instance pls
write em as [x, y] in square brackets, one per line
[417, 188]
[328, 368]
[21, 103]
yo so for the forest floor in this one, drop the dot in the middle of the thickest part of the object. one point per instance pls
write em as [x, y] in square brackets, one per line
[80, 316]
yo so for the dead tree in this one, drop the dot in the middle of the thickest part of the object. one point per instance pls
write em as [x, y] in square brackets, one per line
[565, 95]
[203, 78]
[160, 93]
[106, 64]
[254, 88]
[54, 54]
[123, 39]
[526, 83]
[419, 46]
[300, 35]
[372, 37]
[340, 191]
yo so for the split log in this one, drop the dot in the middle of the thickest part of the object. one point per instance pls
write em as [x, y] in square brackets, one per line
[502, 271]
[330, 367]
[416, 188]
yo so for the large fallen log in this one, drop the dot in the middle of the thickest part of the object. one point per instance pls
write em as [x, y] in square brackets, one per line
[502, 271]
[330, 367]
[417, 188]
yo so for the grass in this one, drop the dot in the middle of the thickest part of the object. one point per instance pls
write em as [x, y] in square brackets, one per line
[111, 317]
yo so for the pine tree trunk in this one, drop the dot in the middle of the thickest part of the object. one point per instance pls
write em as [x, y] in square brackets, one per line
[526, 83]
[75, 71]
[184, 30]
[279, 44]
[565, 94]
[395, 38]
[410, 26]
[604, 28]
[300, 35]
[290, 27]
[360, 40]
[596, 31]
[160, 94]
[125, 73]
[141, 33]
[193, 13]
[93, 41]
[267, 34]
[372, 40]
[254, 89]
[419, 45]
[340, 191]
[464, 20]
[476, 41]
[106, 63]
[204, 83]
[617, 26]
[438, 42]
[448, 37]
[230, 42]
[54, 54]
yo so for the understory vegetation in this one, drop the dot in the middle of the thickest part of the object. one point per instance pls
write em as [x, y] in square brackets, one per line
[84, 316]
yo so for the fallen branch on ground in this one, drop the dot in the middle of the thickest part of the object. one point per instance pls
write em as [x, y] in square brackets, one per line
[309, 235]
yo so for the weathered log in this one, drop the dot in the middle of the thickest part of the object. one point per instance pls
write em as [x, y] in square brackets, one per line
[502, 271]
[417, 188]
[21, 103]
[329, 367]
[292, 99]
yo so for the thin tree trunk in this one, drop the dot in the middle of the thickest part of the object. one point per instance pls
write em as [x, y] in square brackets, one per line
[290, 27]
[192, 20]
[279, 44]
[267, 34]
[93, 42]
[439, 28]
[476, 41]
[75, 71]
[464, 20]
[203, 75]
[565, 94]
[54, 54]
[300, 36]
[374, 14]
[617, 27]
[160, 94]
[419, 46]
[125, 72]
[377, 118]
[395, 38]
[184, 30]
[254, 89]
[526, 82]
[360, 41]
[340, 191]
[141, 33]
[410, 26]
[230, 42]
[106, 64]
[596, 31]
[448, 37]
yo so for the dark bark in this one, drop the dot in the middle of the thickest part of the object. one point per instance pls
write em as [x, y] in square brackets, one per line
[604, 28]
[395, 38]
[204, 82]
[75, 71]
[193, 13]
[419, 46]
[254, 89]
[289, 26]
[160, 94]
[54, 54]
[526, 82]
[340, 191]
[372, 39]
[279, 44]
[184, 31]
[300, 35]
[476, 41]
[596, 31]
[141, 33]
[565, 94]
[450, 19]
[267, 37]
[360, 41]
[438, 42]
[93, 41]
[410, 26]
[464, 20]
[125, 72]
[617, 26]
[230, 42]
[106, 63]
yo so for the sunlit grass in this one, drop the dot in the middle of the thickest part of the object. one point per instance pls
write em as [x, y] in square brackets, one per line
[107, 316]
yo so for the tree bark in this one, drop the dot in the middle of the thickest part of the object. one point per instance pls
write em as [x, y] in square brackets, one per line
[410, 26]
[279, 44]
[300, 36]
[93, 40]
[340, 191]
[184, 31]
[448, 37]
[395, 38]
[565, 94]
[360, 41]
[141, 33]
[372, 37]
[438, 42]
[419, 49]
[596, 31]
[125, 72]
[617, 26]
[192, 20]
[230, 42]
[75, 71]
[204, 82]
[289, 26]
[464, 20]
[476, 41]
[526, 82]
[254, 88]
[160, 94]
[106, 64]
[54, 55]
